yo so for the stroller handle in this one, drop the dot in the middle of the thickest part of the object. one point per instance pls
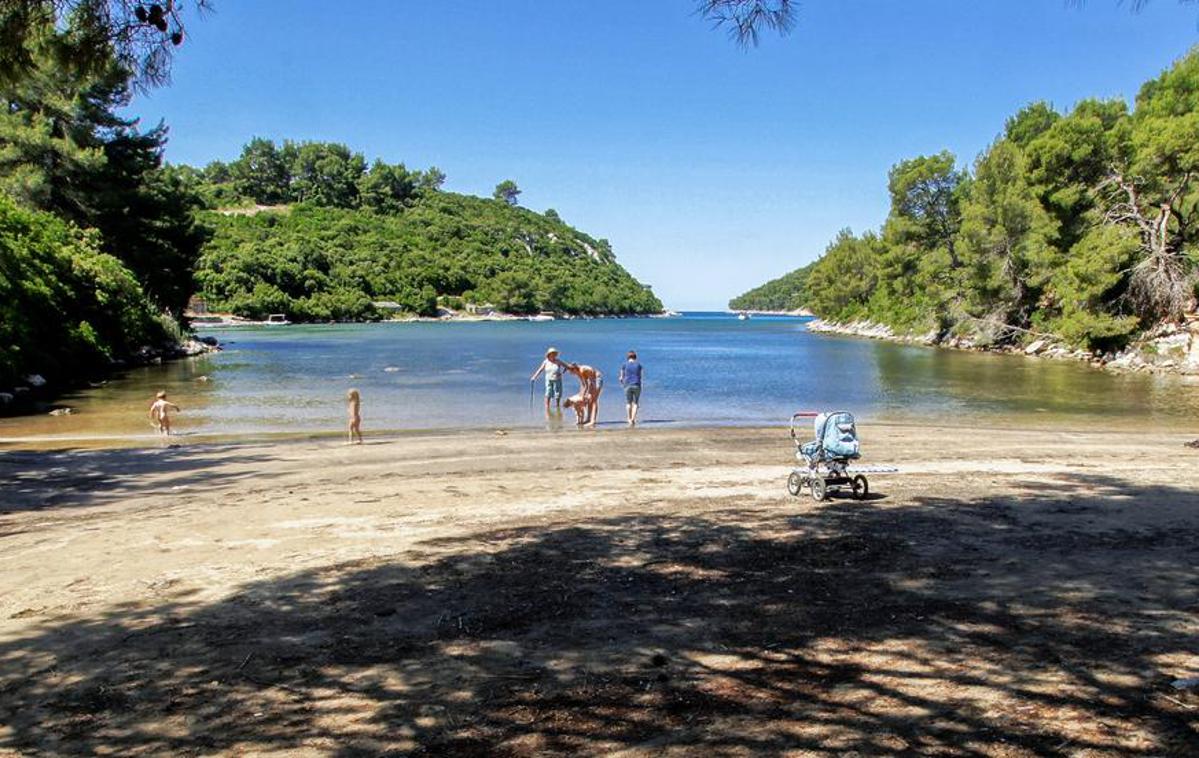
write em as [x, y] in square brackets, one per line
[801, 414]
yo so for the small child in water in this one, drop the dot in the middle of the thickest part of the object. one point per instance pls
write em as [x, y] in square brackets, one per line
[576, 404]
[159, 413]
[355, 411]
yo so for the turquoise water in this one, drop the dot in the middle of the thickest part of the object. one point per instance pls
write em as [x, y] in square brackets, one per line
[699, 369]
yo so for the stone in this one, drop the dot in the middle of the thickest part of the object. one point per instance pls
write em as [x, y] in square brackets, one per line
[1035, 347]
[1129, 361]
[6, 398]
[1177, 341]
[1192, 354]
[35, 380]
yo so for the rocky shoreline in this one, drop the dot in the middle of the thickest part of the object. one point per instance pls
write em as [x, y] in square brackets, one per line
[799, 312]
[36, 394]
[1166, 349]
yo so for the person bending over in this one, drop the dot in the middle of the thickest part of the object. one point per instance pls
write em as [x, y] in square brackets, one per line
[591, 384]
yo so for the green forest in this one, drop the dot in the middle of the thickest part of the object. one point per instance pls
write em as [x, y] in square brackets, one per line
[337, 235]
[97, 239]
[786, 293]
[103, 244]
[1081, 225]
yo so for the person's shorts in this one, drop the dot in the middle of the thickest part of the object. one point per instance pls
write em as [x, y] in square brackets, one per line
[632, 393]
[553, 388]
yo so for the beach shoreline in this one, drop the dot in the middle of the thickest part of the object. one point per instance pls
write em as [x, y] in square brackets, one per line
[37, 394]
[651, 591]
[447, 316]
[218, 440]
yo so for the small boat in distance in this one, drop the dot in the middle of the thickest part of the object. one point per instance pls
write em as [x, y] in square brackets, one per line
[277, 319]
[743, 316]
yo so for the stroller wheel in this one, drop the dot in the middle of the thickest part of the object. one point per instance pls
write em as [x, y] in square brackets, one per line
[819, 489]
[794, 483]
[861, 488]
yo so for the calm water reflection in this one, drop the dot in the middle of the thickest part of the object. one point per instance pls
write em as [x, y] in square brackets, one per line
[701, 369]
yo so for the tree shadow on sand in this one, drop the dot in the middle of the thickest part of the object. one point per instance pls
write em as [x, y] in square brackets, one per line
[31, 481]
[951, 626]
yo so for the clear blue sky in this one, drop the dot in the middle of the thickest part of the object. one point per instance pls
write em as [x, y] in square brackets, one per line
[710, 168]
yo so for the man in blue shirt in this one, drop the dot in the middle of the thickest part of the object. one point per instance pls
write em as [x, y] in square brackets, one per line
[630, 378]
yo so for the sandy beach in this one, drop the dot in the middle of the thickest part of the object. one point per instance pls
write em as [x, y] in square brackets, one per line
[1009, 592]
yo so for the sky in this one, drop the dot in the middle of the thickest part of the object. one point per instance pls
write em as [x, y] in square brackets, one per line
[709, 167]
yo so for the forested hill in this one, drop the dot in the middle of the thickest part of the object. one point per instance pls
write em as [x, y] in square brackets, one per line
[1083, 225]
[787, 293]
[342, 236]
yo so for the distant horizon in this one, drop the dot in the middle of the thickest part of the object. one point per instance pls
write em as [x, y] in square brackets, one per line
[662, 136]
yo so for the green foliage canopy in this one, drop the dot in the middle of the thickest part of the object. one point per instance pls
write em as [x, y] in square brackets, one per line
[507, 191]
[318, 263]
[66, 308]
[64, 149]
[1081, 224]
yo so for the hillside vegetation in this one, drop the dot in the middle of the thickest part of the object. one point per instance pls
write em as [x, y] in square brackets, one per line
[65, 306]
[787, 293]
[102, 245]
[97, 239]
[1082, 225]
[353, 235]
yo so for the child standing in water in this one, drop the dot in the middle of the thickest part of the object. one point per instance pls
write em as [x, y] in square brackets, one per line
[159, 413]
[576, 404]
[355, 411]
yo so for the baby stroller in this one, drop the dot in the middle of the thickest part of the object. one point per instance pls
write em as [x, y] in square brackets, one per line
[826, 458]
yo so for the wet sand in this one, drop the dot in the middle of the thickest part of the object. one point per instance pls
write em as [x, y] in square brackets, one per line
[1009, 592]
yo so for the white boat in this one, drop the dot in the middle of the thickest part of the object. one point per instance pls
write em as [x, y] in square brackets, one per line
[743, 316]
[277, 319]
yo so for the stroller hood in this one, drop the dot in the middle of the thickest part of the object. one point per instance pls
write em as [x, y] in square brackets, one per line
[837, 435]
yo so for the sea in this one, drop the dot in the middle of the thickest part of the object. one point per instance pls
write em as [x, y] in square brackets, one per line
[701, 369]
